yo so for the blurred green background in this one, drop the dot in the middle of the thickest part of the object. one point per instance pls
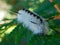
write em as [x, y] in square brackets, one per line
[12, 33]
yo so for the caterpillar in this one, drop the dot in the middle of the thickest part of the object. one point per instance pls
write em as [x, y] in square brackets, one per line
[35, 23]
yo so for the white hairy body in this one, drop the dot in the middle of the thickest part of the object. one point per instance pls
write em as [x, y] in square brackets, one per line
[32, 22]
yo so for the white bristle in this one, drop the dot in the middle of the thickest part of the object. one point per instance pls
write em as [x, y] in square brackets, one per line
[32, 22]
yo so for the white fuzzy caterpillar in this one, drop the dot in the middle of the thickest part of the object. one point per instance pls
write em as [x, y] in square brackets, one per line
[32, 21]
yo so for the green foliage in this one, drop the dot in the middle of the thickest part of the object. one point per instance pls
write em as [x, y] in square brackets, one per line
[21, 35]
